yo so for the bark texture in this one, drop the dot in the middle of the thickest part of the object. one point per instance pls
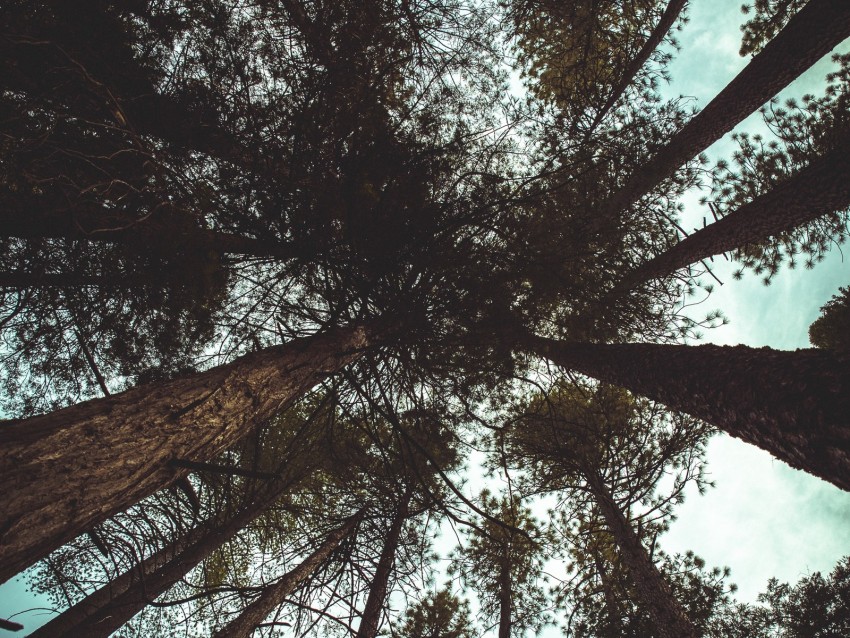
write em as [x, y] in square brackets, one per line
[371, 617]
[667, 614]
[820, 188]
[812, 33]
[66, 471]
[794, 404]
[275, 594]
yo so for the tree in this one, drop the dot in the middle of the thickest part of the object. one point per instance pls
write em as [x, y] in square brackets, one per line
[610, 451]
[791, 404]
[99, 457]
[292, 446]
[503, 562]
[792, 51]
[438, 615]
[371, 617]
[779, 197]
[274, 594]
[584, 55]
[815, 606]
[831, 329]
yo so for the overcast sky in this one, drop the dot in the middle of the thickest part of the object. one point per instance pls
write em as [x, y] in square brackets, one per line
[763, 519]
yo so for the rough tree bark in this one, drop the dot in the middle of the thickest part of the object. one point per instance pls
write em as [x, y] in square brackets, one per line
[371, 617]
[794, 404]
[820, 188]
[66, 471]
[275, 594]
[812, 33]
[665, 611]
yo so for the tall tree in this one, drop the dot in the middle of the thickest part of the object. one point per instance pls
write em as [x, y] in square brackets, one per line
[782, 195]
[792, 404]
[813, 32]
[292, 446]
[274, 594]
[609, 451]
[819, 189]
[371, 617]
[502, 561]
[101, 456]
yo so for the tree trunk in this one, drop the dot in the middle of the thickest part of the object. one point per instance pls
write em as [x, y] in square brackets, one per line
[794, 404]
[668, 19]
[140, 578]
[66, 471]
[505, 596]
[614, 616]
[812, 33]
[820, 188]
[371, 617]
[654, 591]
[106, 610]
[274, 595]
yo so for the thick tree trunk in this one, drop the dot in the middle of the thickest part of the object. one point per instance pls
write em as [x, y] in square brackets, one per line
[794, 404]
[666, 612]
[371, 617]
[275, 594]
[668, 19]
[66, 471]
[812, 33]
[820, 188]
[505, 595]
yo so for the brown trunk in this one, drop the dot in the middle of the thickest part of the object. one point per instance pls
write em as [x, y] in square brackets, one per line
[275, 594]
[820, 188]
[371, 617]
[665, 611]
[812, 33]
[103, 612]
[795, 405]
[668, 19]
[66, 471]
[72, 621]
[505, 595]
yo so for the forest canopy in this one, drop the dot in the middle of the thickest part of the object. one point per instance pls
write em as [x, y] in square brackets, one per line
[278, 277]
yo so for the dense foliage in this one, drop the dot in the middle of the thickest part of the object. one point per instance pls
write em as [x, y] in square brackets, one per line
[189, 186]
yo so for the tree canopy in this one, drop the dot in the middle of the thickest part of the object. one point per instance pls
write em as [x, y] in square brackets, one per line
[278, 278]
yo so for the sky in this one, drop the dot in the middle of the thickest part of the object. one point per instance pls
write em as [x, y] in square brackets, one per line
[763, 519]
